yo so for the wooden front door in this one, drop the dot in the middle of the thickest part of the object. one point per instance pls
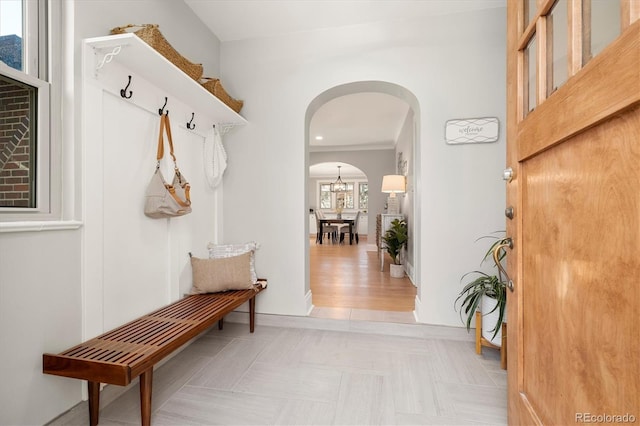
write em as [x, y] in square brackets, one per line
[573, 133]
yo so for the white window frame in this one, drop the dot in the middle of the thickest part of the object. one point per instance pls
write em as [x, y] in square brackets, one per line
[43, 41]
[34, 43]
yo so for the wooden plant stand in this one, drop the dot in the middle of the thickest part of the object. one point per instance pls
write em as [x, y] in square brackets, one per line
[481, 341]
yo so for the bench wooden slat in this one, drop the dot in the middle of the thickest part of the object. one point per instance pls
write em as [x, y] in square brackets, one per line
[124, 353]
[100, 371]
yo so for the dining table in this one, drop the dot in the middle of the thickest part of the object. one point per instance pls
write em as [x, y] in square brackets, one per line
[324, 221]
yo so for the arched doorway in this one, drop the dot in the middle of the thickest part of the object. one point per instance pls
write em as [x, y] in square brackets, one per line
[375, 157]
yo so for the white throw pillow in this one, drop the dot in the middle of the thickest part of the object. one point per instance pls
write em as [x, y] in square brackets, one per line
[221, 251]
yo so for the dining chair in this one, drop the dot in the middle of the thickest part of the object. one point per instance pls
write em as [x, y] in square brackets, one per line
[331, 230]
[345, 228]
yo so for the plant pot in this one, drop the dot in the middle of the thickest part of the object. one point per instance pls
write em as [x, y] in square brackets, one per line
[397, 271]
[489, 320]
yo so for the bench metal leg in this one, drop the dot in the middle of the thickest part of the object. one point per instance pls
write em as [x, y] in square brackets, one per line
[94, 402]
[220, 323]
[146, 380]
[252, 313]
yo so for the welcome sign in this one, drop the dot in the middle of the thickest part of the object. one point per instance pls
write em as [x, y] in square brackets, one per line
[472, 130]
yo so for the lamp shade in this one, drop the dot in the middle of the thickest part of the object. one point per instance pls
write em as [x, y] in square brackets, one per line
[392, 184]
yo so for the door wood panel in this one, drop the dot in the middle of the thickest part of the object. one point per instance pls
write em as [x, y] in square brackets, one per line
[581, 247]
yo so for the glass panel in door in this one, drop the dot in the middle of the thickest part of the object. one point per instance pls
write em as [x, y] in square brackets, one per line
[601, 25]
[557, 37]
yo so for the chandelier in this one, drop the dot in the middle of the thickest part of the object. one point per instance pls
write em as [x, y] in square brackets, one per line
[338, 185]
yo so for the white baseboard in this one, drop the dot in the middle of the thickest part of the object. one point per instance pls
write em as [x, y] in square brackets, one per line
[417, 309]
[372, 247]
[308, 300]
[410, 273]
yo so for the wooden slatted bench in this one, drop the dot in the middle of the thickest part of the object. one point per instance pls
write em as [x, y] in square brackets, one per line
[129, 351]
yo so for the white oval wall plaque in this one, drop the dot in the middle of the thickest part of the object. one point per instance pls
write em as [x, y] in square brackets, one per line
[472, 130]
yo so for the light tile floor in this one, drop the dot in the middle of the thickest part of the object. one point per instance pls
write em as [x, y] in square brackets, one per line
[315, 371]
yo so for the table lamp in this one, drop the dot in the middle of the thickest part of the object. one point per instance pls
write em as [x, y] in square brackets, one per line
[392, 185]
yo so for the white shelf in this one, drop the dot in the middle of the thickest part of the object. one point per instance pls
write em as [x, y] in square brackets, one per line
[143, 60]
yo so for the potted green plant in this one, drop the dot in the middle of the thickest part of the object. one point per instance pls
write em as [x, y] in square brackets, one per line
[486, 292]
[395, 239]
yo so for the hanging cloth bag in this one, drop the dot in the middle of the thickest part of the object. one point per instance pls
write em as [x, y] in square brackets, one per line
[215, 159]
[161, 199]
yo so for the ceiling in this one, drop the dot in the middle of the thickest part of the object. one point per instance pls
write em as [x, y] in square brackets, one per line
[355, 121]
[245, 19]
[329, 171]
[358, 121]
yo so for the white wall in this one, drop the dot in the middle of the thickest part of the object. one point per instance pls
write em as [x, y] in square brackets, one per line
[39, 312]
[404, 145]
[143, 262]
[455, 67]
[40, 272]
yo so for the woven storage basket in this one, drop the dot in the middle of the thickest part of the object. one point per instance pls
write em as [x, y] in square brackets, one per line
[151, 35]
[214, 86]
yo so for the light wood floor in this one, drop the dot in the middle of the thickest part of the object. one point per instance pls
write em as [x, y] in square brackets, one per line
[349, 276]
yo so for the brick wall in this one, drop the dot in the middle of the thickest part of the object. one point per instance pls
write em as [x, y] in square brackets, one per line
[15, 146]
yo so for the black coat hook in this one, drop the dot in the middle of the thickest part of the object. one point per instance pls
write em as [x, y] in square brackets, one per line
[123, 92]
[161, 110]
[189, 125]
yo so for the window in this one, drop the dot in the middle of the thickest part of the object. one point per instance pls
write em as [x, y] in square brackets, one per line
[557, 38]
[18, 120]
[25, 143]
[530, 100]
[601, 25]
[355, 197]
[325, 196]
[363, 196]
[348, 197]
[23, 35]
